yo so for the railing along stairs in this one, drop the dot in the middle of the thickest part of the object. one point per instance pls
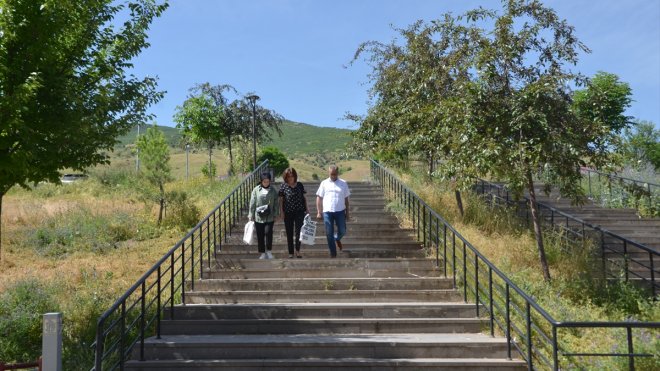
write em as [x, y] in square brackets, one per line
[137, 314]
[541, 340]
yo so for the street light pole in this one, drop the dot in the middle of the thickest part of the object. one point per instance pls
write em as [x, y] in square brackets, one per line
[253, 100]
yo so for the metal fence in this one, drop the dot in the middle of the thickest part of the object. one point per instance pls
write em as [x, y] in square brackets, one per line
[615, 190]
[621, 257]
[121, 331]
[530, 331]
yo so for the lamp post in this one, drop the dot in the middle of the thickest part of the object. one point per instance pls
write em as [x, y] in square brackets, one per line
[253, 100]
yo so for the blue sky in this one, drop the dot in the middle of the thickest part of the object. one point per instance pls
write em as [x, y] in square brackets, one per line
[292, 53]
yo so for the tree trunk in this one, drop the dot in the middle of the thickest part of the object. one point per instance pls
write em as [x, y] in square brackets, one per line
[537, 227]
[210, 153]
[430, 158]
[231, 157]
[459, 201]
[162, 203]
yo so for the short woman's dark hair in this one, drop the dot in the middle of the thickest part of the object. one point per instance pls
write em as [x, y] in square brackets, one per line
[290, 172]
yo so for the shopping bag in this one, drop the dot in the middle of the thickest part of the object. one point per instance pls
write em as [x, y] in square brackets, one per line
[308, 231]
[248, 233]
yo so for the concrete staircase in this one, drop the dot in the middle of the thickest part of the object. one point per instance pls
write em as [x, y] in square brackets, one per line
[381, 305]
[622, 222]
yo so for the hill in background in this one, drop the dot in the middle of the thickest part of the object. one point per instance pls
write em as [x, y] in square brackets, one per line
[172, 135]
[297, 139]
[304, 139]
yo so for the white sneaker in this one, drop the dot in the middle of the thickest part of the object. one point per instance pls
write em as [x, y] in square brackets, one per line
[269, 255]
[263, 256]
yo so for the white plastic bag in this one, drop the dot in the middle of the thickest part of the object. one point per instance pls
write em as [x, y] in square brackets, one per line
[248, 233]
[308, 231]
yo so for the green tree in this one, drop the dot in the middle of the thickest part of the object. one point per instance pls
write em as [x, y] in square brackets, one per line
[200, 118]
[267, 121]
[229, 126]
[415, 91]
[65, 93]
[641, 145]
[490, 92]
[155, 161]
[276, 159]
[520, 113]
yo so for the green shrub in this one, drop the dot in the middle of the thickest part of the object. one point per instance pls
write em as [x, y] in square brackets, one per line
[209, 171]
[82, 230]
[276, 159]
[182, 213]
[22, 307]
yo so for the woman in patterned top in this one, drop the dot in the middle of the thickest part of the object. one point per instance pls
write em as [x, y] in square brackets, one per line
[294, 208]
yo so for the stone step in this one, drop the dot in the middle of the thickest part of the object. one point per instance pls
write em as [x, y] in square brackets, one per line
[324, 346]
[281, 252]
[321, 326]
[324, 310]
[320, 243]
[322, 283]
[332, 364]
[357, 263]
[320, 296]
[279, 238]
[343, 272]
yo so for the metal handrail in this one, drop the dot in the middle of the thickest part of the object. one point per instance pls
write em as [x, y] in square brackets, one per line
[651, 189]
[137, 314]
[592, 230]
[528, 328]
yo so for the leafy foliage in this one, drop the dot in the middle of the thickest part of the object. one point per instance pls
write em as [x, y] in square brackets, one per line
[201, 120]
[155, 159]
[276, 159]
[64, 90]
[21, 309]
[641, 145]
[493, 100]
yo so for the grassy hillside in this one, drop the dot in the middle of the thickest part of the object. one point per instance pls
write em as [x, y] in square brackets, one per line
[299, 139]
[172, 135]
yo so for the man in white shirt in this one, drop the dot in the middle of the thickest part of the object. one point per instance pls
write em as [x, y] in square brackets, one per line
[333, 196]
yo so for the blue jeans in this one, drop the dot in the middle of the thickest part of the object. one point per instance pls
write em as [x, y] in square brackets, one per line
[329, 219]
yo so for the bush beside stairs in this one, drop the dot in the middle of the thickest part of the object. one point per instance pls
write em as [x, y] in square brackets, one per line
[381, 305]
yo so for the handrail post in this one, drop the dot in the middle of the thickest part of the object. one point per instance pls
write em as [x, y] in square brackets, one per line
[476, 282]
[508, 321]
[142, 320]
[183, 272]
[122, 330]
[444, 254]
[453, 256]
[98, 357]
[625, 258]
[464, 273]
[158, 305]
[437, 243]
[555, 350]
[424, 227]
[490, 301]
[631, 357]
[652, 276]
[529, 336]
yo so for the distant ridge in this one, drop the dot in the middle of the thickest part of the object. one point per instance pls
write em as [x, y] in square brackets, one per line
[297, 138]
[300, 138]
